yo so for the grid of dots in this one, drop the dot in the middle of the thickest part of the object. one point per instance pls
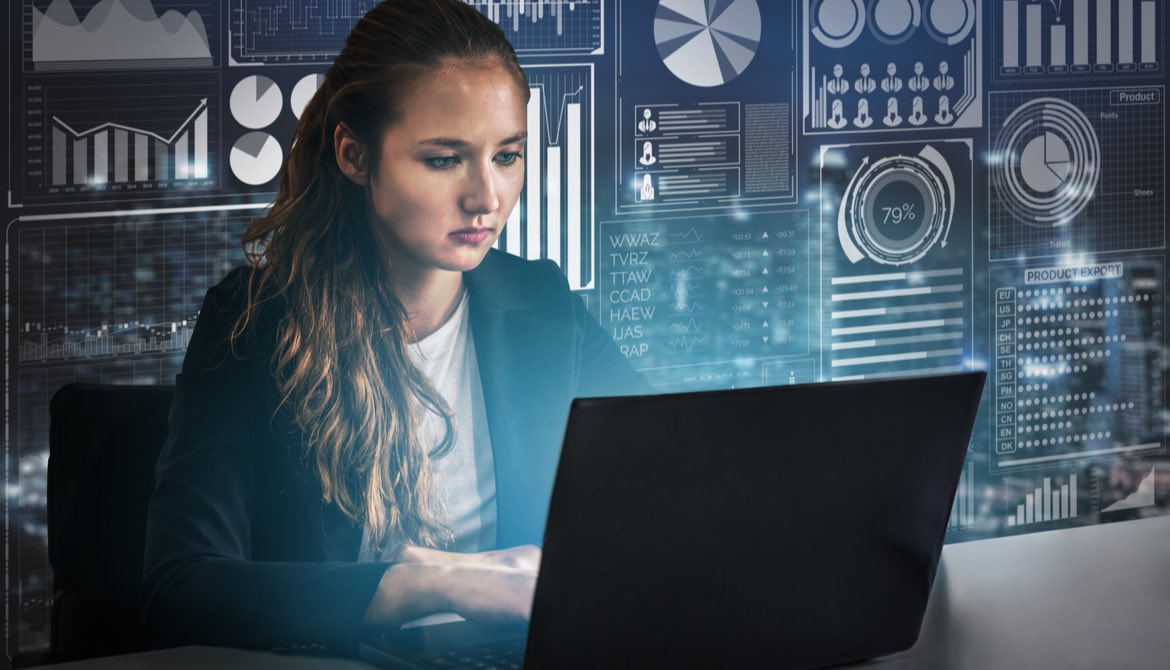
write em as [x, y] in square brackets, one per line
[1068, 336]
[1133, 156]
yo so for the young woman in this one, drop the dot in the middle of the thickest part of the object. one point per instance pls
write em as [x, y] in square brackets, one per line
[369, 414]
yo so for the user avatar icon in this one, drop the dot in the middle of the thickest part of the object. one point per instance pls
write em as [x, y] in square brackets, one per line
[892, 83]
[865, 84]
[892, 118]
[919, 82]
[647, 157]
[863, 119]
[647, 124]
[837, 120]
[944, 116]
[647, 192]
[944, 81]
[838, 85]
[917, 117]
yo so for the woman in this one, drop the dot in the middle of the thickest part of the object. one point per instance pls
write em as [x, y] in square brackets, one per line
[368, 418]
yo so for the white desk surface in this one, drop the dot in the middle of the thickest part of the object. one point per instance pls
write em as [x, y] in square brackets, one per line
[1096, 598]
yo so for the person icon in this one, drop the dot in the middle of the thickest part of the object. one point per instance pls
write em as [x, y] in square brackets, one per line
[917, 117]
[837, 121]
[892, 83]
[838, 85]
[863, 119]
[865, 84]
[647, 191]
[944, 116]
[647, 157]
[892, 117]
[647, 124]
[944, 81]
[919, 82]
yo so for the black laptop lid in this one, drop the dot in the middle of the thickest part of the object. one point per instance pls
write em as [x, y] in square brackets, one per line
[791, 526]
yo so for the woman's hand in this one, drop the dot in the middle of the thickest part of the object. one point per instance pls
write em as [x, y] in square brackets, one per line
[493, 586]
[493, 594]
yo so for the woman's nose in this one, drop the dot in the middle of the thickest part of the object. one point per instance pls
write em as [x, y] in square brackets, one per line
[480, 196]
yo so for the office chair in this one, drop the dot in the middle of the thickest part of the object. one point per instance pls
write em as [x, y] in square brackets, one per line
[103, 444]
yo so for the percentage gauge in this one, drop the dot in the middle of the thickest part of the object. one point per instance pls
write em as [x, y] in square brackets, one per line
[897, 208]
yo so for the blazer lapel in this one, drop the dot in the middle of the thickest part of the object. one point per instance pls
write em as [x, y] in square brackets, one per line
[525, 367]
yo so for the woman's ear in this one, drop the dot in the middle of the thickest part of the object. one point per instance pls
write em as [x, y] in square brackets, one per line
[351, 155]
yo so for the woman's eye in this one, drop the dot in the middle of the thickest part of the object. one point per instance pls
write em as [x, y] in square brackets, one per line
[508, 158]
[443, 162]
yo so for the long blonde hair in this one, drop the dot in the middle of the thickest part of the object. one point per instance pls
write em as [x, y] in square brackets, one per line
[340, 360]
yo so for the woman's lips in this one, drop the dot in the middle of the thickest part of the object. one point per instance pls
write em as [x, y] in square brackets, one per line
[472, 236]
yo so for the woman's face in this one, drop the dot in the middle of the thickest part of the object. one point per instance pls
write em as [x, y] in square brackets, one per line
[451, 169]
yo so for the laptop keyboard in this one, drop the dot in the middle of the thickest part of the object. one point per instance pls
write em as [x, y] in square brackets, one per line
[502, 656]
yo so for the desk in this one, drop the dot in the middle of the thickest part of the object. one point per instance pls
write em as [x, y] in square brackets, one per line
[1095, 598]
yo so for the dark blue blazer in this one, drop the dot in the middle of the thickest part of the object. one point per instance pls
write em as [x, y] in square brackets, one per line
[241, 550]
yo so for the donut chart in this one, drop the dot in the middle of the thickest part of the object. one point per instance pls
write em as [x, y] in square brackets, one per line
[894, 21]
[837, 23]
[896, 209]
[1047, 162]
[949, 21]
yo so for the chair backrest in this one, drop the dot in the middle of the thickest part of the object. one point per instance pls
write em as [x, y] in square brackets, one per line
[103, 444]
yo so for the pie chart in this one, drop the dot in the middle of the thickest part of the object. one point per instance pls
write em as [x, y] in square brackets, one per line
[1044, 162]
[1047, 165]
[256, 101]
[303, 92]
[256, 158]
[707, 43]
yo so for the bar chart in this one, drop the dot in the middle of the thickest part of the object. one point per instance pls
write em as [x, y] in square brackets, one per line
[84, 140]
[181, 156]
[896, 275]
[554, 217]
[1050, 501]
[1078, 38]
[963, 509]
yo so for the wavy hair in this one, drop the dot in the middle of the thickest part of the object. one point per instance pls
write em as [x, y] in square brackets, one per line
[340, 359]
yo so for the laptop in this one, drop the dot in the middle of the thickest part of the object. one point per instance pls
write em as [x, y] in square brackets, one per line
[787, 527]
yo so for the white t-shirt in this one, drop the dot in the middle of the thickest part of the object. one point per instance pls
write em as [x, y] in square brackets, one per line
[463, 481]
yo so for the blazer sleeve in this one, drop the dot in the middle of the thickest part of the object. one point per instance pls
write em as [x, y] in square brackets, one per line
[200, 584]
